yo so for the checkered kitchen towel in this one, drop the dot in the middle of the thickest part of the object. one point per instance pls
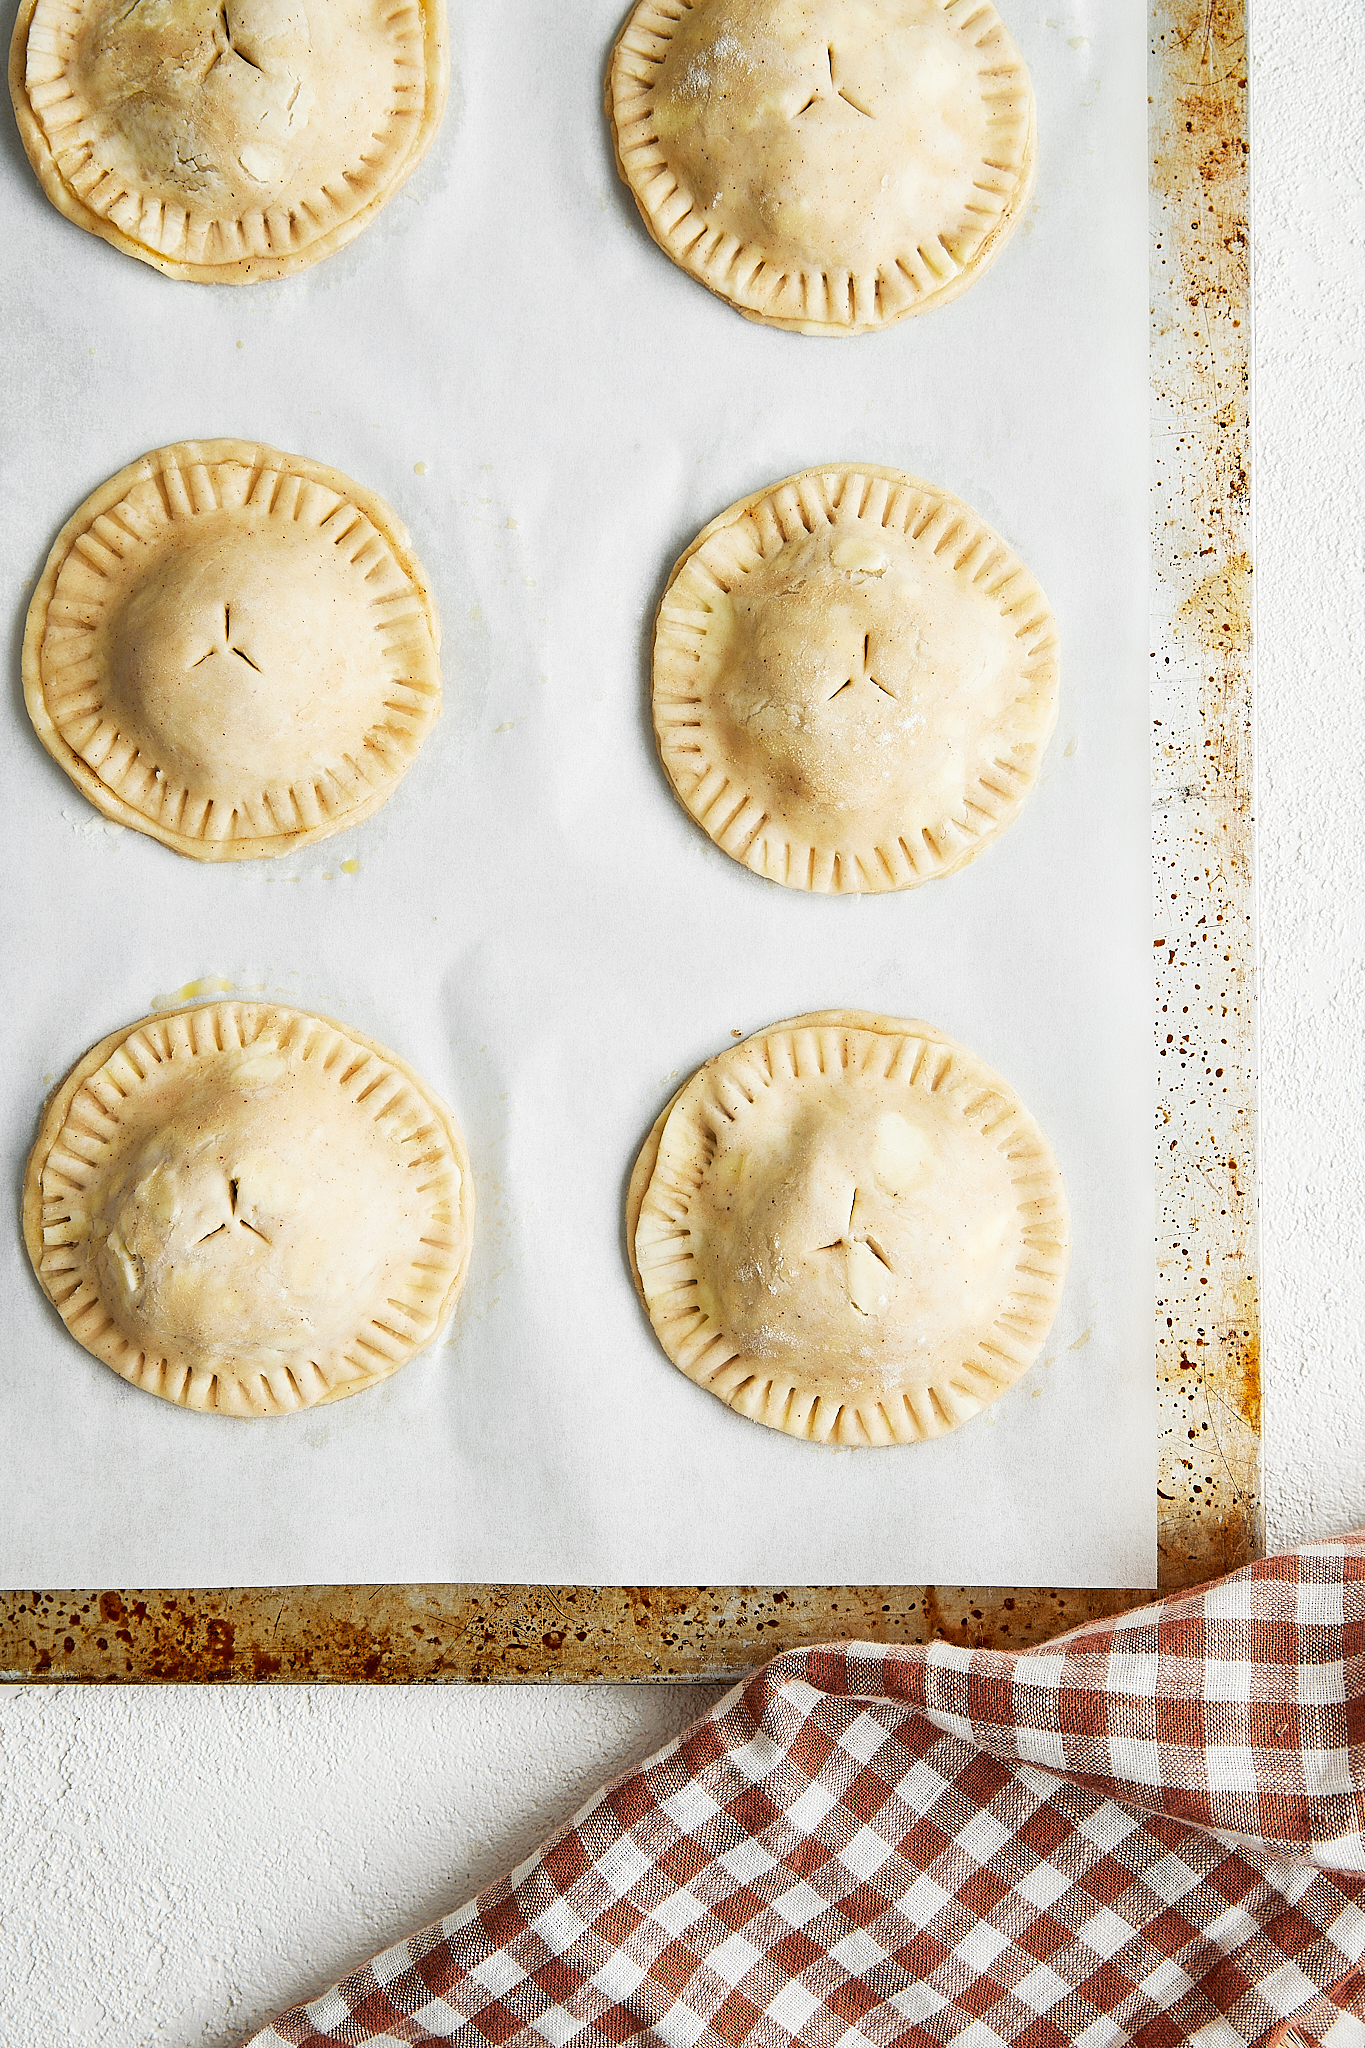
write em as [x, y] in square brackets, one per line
[1150, 1830]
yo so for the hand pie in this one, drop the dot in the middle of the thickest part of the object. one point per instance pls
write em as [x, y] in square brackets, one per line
[247, 1209]
[848, 1228]
[824, 165]
[233, 650]
[854, 681]
[224, 141]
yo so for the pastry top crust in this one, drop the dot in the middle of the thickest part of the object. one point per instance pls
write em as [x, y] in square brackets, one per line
[850, 1229]
[248, 1209]
[232, 650]
[827, 166]
[854, 681]
[226, 141]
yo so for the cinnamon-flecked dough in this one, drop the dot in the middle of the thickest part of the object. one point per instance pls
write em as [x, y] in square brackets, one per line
[827, 166]
[848, 1228]
[233, 650]
[247, 1209]
[226, 141]
[854, 681]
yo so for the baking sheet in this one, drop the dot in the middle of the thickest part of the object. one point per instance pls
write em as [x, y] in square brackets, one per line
[533, 921]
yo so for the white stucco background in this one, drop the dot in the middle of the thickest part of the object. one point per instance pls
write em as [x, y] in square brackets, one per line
[177, 1864]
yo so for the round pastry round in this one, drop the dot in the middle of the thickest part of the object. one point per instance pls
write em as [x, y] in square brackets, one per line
[248, 1209]
[225, 141]
[848, 1228]
[854, 681]
[827, 166]
[233, 650]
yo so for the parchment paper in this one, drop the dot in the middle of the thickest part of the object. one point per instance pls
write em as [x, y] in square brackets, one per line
[533, 922]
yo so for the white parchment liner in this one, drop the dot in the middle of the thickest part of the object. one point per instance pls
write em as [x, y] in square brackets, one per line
[533, 921]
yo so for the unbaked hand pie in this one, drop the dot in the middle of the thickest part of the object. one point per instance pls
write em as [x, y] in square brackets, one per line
[854, 681]
[233, 650]
[847, 1227]
[225, 141]
[248, 1209]
[824, 165]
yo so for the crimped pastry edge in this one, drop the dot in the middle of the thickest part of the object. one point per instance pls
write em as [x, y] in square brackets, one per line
[867, 1022]
[246, 269]
[110, 493]
[951, 288]
[53, 1121]
[742, 509]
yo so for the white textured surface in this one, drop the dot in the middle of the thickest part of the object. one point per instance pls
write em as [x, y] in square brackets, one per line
[175, 1864]
[1309, 482]
[178, 1863]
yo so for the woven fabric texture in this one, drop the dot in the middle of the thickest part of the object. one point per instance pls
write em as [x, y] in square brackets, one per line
[1149, 1830]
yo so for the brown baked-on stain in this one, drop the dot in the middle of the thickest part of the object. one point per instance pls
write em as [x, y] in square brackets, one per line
[1217, 613]
[219, 1636]
[1208, 1325]
[1248, 1389]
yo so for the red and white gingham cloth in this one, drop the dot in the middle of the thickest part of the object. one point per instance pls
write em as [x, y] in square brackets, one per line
[1150, 1830]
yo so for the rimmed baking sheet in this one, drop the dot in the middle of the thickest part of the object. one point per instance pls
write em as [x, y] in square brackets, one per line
[1208, 1505]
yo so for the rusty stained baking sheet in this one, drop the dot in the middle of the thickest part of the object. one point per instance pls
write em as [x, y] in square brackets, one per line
[418, 1634]
[1203, 788]
[1207, 1316]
